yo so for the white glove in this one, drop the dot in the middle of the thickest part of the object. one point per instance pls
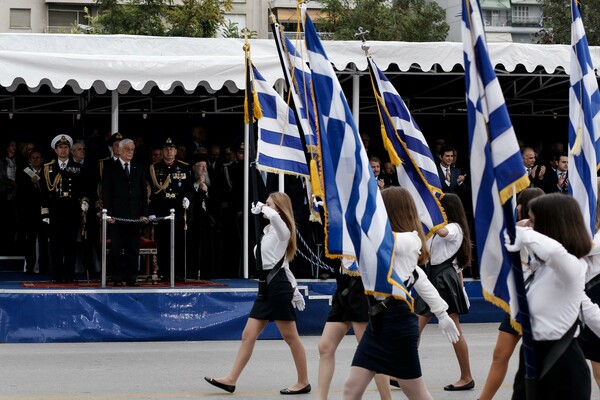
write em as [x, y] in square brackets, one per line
[269, 212]
[448, 327]
[85, 206]
[298, 300]
[466, 298]
[46, 220]
[518, 244]
[257, 208]
[152, 217]
[185, 203]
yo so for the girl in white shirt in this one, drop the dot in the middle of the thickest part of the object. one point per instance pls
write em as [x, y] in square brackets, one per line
[278, 247]
[450, 250]
[390, 343]
[557, 243]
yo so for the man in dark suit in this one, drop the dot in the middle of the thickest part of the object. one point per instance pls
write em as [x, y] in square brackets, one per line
[63, 202]
[450, 177]
[556, 180]
[125, 196]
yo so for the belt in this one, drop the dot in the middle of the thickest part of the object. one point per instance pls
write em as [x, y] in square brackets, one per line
[382, 305]
[64, 194]
[592, 283]
[170, 195]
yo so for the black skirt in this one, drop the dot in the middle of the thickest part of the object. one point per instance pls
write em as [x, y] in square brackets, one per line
[569, 378]
[445, 279]
[589, 342]
[349, 302]
[393, 350]
[277, 306]
[505, 325]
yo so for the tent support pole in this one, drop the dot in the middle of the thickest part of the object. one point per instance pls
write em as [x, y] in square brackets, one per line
[114, 112]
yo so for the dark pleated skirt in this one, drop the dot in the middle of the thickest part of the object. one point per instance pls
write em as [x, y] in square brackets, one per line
[568, 379]
[394, 349]
[352, 306]
[277, 306]
[589, 342]
[445, 279]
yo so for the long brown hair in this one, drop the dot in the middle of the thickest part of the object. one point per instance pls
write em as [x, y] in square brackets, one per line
[558, 216]
[523, 200]
[403, 215]
[284, 205]
[456, 213]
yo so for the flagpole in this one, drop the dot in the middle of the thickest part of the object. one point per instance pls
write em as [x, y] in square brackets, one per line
[527, 334]
[250, 154]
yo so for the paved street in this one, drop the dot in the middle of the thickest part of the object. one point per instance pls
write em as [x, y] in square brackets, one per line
[174, 370]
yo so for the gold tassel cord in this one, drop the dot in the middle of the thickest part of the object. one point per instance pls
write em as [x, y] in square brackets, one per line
[315, 182]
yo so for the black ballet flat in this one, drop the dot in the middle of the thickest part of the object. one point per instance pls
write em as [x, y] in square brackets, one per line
[305, 389]
[467, 386]
[214, 382]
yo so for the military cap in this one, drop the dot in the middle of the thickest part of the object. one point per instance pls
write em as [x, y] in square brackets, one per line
[62, 139]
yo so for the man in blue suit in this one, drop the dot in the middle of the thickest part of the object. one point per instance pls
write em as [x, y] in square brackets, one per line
[451, 178]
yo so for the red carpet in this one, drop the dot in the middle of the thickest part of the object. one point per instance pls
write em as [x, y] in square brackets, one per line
[96, 284]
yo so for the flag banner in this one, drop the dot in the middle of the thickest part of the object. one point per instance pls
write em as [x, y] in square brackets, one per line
[356, 223]
[497, 169]
[279, 148]
[409, 152]
[584, 123]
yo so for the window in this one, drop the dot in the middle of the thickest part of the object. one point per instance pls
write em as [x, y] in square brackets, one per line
[63, 19]
[20, 18]
[520, 14]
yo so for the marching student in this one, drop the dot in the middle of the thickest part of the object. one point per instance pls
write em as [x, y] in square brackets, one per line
[278, 247]
[390, 343]
[508, 337]
[450, 250]
[349, 309]
[555, 294]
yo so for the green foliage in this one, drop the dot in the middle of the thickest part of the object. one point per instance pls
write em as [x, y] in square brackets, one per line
[232, 30]
[557, 21]
[191, 18]
[399, 20]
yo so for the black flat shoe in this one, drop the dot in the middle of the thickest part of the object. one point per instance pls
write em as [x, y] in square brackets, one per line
[214, 382]
[467, 386]
[305, 389]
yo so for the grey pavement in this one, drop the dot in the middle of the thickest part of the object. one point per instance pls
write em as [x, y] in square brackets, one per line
[175, 370]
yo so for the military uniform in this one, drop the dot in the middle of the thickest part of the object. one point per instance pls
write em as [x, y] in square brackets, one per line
[170, 183]
[63, 192]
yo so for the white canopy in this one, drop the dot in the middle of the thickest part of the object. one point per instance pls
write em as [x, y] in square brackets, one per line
[141, 62]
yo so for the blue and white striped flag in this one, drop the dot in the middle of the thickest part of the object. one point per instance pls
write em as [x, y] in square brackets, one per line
[584, 123]
[497, 170]
[279, 146]
[357, 224]
[408, 150]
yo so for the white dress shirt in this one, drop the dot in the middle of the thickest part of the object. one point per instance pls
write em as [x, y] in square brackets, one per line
[442, 248]
[273, 245]
[556, 292]
[593, 259]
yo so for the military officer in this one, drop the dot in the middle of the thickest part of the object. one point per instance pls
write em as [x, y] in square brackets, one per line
[63, 202]
[172, 186]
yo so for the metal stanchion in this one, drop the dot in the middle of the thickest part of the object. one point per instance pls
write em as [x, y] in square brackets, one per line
[172, 217]
[103, 238]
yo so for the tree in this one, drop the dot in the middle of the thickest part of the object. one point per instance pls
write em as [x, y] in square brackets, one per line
[557, 21]
[191, 18]
[396, 20]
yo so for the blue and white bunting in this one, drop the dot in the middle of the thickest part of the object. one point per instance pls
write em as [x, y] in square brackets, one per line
[584, 123]
[356, 226]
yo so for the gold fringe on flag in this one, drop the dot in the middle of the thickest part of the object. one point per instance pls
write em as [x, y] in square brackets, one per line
[315, 183]
[387, 144]
[576, 149]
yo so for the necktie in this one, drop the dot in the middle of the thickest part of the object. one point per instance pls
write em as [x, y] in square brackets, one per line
[127, 169]
[528, 171]
[448, 176]
[63, 165]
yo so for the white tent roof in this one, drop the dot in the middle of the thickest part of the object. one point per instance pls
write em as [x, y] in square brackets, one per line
[140, 62]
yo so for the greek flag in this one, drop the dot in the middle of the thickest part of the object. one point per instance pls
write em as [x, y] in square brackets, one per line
[408, 150]
[584, 123]
[497, 170]
[279, 146]
[356, 225]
